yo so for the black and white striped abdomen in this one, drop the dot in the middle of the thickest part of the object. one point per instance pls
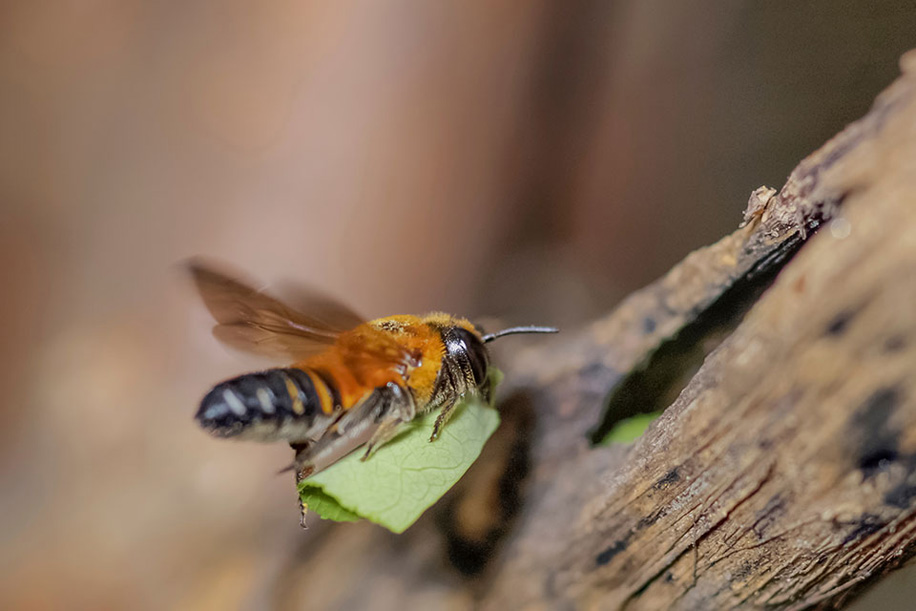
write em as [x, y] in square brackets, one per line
[273, 405]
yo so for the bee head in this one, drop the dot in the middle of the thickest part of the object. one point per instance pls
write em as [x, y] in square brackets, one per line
[468, 351]
[466, 362]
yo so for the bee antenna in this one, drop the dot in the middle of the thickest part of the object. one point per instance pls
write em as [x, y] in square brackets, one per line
[489, 337]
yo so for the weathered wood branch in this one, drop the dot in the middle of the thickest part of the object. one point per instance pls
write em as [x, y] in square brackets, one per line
[784, 473]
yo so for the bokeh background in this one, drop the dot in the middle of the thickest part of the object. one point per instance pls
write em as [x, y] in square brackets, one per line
[530, 160]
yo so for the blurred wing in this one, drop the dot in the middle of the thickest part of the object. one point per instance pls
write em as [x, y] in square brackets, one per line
[322, 308]
[251, 320]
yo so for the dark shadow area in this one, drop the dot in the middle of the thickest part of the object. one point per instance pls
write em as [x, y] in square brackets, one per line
[656, 384]
[480, 510]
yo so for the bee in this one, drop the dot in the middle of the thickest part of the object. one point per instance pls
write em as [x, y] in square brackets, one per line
[351, 382]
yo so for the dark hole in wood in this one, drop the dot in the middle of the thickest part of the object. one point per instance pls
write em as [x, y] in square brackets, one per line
[655, 385]
[877, 461]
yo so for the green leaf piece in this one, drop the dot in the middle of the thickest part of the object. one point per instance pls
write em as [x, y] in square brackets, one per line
[629, 429]
[408, 474]
[325, 506]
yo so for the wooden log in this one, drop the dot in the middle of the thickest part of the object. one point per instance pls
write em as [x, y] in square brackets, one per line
[784, 473]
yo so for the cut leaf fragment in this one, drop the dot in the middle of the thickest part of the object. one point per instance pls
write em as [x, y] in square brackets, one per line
[408, 474]
[325, 506]
[629, 429]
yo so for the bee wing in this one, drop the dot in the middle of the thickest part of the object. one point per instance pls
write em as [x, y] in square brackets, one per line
[322, 308]
[251, 320]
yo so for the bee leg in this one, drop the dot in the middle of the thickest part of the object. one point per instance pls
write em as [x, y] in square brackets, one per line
[384, 433]
[403, 409]
[444, 414]
[303, 507]
[301, 474]
[402, 402]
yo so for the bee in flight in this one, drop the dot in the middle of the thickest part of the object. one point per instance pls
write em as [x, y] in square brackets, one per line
[351, 382]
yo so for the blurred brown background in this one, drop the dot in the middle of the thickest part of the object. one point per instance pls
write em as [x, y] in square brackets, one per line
[530, 160]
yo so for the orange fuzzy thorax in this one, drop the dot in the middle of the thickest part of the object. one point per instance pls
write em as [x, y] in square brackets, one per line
[404, 349]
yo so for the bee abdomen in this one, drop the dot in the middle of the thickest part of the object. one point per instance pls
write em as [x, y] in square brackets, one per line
[277, 404]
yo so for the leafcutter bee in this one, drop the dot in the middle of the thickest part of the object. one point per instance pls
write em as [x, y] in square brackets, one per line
[351, 382]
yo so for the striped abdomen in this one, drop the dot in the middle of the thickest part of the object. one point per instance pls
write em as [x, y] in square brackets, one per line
[274, 405]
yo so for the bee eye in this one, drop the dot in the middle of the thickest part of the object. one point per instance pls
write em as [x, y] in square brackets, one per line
[476, 353]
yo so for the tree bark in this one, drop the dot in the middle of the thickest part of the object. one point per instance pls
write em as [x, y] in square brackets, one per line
[782, 475]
